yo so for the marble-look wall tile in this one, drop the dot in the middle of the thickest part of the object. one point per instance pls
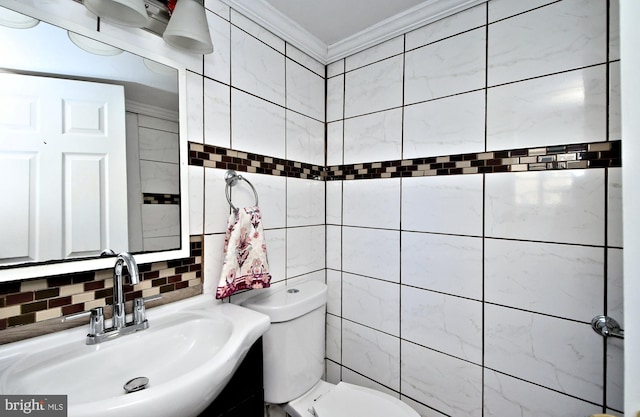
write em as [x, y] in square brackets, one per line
[159, 220]
[334, 338]
[371, 353]
[447, 27]
[305, 250]
[213, 259]
[371, 302]
[560, 280]
[217, 63]
[217, 114]
[305, 139]
[305, 202]
[556, 353]
[305, 91]
[256, 68]
[218, 7]
[502, 9]
[196, 200]
[371, 252]
[508, 396]
[615, 128]
[614, 30]
[558, 206]
[257, 31]
[614, 207]
[216, 208]
[441, 263]
[452, 125]
[333, 372]
[615, 306]
[563, 108]
[372, 203]
[447, 384]
[195, 116]
[334, 202]
[451, 204]
[373, 137]
[376, 53]
[374, 87]
[451, 66]
[615, 373]
[334, 247]
[276, 240]
[257, 126]
[335, 68]
[354, 378]
[335, 143]
[158, 145]
[305, 60]
[561, 36]
[334, 292]
[451, 325]
[335, 98]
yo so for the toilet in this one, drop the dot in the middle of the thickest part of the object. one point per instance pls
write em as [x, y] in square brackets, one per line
[293, 354]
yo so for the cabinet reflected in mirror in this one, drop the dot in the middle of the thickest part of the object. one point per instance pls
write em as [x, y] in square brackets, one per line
[89, 149]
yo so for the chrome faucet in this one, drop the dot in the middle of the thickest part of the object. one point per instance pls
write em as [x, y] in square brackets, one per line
[119, 325]
[124, 259]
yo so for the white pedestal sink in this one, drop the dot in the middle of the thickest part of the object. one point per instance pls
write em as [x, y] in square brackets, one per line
[188, 353]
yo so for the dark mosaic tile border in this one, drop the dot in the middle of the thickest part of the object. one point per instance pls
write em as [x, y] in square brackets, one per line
[30, 301]
[152, 198]
[559, 157]
[223, 158]
[585, 155]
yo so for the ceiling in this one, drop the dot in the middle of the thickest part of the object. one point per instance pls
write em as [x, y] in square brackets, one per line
[329, 30]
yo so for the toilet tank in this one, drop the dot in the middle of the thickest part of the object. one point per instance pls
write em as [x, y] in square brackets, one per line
[293, 347]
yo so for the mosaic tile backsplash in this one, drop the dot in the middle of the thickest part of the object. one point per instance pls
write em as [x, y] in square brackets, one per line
[32, 301]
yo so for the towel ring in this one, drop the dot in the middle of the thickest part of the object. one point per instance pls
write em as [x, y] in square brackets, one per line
[232, 178]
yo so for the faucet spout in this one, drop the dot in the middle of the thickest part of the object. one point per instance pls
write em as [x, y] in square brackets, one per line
[123, 259]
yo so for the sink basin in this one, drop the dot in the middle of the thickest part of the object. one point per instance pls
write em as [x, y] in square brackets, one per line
[189, 353]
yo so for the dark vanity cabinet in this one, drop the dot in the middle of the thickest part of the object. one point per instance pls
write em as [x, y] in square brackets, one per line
[243, 396]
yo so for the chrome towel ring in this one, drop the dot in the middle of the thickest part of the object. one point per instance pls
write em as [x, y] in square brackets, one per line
[232, 178]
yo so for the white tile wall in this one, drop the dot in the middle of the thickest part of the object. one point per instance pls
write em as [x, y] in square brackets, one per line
[563, 108]
[442, 382]
[448, 126]
[451, 66]
[373, 137]
[560, 206]
[436, 283]
[374, 87]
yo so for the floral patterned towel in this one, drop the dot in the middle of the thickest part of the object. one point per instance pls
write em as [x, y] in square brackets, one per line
[245, 254]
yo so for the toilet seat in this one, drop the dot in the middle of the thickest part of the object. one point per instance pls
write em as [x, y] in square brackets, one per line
[347, 400]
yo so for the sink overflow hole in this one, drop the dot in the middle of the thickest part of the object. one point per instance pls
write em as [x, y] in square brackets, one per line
[136, 384]
[293, 291]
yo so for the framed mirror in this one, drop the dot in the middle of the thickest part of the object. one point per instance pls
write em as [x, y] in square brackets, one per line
[93, 150]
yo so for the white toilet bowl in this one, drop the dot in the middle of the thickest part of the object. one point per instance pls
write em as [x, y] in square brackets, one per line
[346, 400]
[294, 355]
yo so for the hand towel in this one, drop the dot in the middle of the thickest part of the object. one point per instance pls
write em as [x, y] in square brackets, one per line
[245, 254]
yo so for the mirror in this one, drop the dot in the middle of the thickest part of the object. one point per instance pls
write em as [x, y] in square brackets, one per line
[90, 140]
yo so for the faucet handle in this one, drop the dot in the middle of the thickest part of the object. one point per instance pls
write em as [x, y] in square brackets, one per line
[96, 321]
[139, 315]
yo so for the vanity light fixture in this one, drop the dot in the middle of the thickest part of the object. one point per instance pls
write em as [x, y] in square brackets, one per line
[15, 20]
[188, 28]
[185, 28]
[131, 13]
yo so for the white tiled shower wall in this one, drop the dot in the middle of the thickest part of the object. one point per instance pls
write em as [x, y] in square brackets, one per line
[472, 295]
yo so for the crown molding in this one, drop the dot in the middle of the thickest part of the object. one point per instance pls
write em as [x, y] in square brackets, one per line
[273, 20]
[280, 25]
[414, 18]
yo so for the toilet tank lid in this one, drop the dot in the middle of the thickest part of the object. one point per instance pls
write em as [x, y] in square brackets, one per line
[290, 302]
